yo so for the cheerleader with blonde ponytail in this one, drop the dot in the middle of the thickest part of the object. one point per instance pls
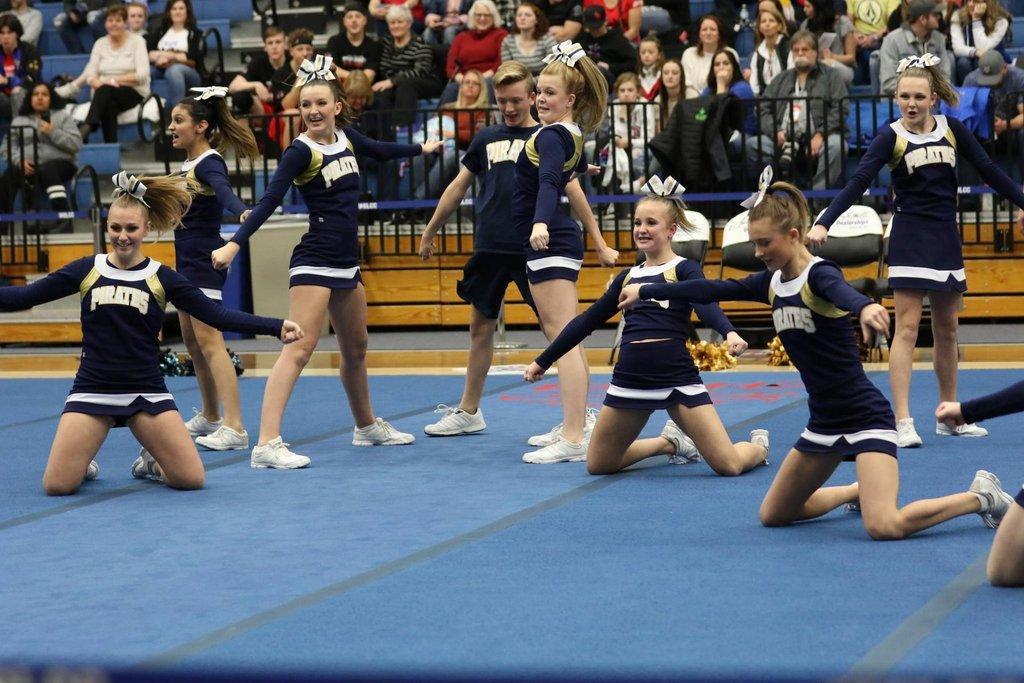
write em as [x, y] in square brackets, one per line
[119, 382]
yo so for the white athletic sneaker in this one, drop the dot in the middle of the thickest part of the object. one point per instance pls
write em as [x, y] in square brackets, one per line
[906, 435]
[144, 467]
[200, 426]
[380, 433]
[686, 451]
[225, 439]
[275, 455]
[456, 421]
[994, 501]
[963, 430]
[92, 471]
[555, 434]
[759, 437]
[559, 451]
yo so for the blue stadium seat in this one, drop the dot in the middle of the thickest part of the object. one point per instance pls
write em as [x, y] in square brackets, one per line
[54, 65]
[105, 158]
[50, 42]
[230, 11]
[699, 8]
[222, 25]
[1018, 32]
[49, 10]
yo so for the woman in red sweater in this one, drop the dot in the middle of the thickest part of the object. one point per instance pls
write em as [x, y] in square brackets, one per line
[478, 47]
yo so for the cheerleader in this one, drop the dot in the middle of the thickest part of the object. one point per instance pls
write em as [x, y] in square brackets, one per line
[119, 381]
[194, 123]
[655, 370]
[850, 419]
[925, 252]
[1006, 560]
[571, 99]
[324, 269]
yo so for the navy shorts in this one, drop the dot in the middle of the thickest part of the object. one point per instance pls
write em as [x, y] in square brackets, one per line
[486, 277]
[848, 444]
[119, 407]
[654, 376]
[192, 259]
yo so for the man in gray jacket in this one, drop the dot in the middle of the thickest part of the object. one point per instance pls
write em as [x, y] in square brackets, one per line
[917, 36]
[802, 114]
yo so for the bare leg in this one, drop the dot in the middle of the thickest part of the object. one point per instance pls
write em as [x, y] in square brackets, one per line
[481, 353]
[348, 316]
[796, 492]
[879, 478]
[204, 376]
[945, 311]
[1006, 561]
[308, 307]
[556, 305]
[219, 365]
[901, 353]
[168, 441]
[75, 445]
[705, 428]
[613, 446]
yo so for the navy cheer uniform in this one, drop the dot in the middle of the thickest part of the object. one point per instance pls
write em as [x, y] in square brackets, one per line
[498, 257]
[327, 177]
[122, 312]
[548, 162]
[925, 251]
[649, 375]
[1003, 402]
[199, 233]
[848, 414]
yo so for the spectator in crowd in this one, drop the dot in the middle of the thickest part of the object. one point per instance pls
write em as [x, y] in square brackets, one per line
[456, 124]
[811, 128]
[117, 72]
[529, 42]
[379, 10]
[977, 28]
[138, 17]
[564, 16]
[870, 26]
[175, 50]
[31, 21]
[697, 58]
[352, 49]
[78, 18]
[633, 126]
[624, 15]
[478, 47]
[917, 36]
[21, 66]
[1006, 102]
[251, 90]
[285, 127]
[672, 90]
[359, 96]
[727, 77]
[444, 19]
[406, 68]
[650, 57]
[771, 54]
[787, 11]
[52, 163]
[607, 47]
[840, 51]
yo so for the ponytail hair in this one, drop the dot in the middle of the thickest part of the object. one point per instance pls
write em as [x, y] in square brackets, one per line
[224, 131]
[588, 84]
[936, 78]
[785, 207]
[165, 201]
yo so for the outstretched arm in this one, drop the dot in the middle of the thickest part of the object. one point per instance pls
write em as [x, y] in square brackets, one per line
[992, 174]
[709, 314]
[293, 162]
[581, 207]
[1003, 402]
[381, 151]
[878, 154]
[826, 280]
[449, 201]
[214, 173]
[751, 288]
[56, 285]
[186, 297]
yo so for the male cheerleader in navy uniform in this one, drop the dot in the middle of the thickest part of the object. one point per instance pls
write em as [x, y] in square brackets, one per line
[498, 258]
[119, 382]
[925, 252]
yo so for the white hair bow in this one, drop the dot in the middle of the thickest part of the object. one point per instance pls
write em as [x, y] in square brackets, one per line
[319, 68]
[130, 185]
[210, 92]
[667, 187]
[762, 187]
[566, 52]
[922, 62]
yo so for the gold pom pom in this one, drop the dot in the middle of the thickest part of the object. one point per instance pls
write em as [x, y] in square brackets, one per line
[777, 352]
[710, 356]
